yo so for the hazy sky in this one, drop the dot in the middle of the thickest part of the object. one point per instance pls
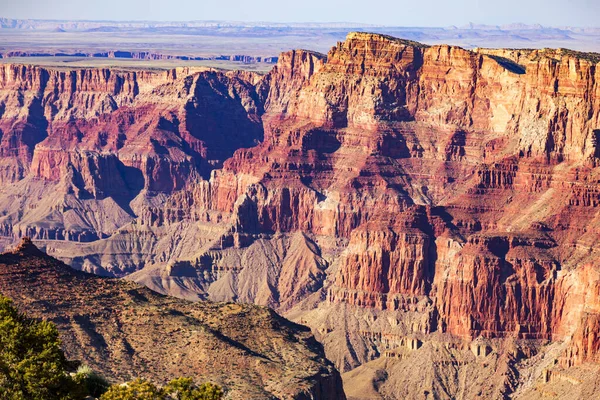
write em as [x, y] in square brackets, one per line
[385, 12]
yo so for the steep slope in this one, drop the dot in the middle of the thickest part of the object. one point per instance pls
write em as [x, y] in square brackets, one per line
[125, 331]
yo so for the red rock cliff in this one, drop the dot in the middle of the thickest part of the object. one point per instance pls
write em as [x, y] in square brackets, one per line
[464, 179]
[504, 147]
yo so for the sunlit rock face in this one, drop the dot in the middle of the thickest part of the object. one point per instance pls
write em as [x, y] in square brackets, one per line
[433, 191]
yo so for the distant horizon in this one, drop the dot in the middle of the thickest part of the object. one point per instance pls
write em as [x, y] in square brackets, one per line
[468, 25]
[390, 13]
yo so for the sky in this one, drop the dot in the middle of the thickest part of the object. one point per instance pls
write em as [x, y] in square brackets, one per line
[584, 13]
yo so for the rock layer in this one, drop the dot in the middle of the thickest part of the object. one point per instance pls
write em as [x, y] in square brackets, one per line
[453, 191]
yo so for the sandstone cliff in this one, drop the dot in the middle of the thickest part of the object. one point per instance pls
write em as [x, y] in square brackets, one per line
[386, 194]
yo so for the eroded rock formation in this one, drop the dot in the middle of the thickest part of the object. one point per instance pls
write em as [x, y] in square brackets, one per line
[429, 193]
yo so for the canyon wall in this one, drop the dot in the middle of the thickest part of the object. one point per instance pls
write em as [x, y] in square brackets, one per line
[454, 191]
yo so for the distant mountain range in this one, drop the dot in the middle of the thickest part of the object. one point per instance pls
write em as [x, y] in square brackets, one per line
[78, 25]
[197, 38]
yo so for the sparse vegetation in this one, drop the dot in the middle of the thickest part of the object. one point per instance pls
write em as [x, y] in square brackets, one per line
[591, 57]
[405, 42]
[556, 54]
[179, 389]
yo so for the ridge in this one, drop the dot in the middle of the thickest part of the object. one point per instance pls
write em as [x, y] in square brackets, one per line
[358, 35]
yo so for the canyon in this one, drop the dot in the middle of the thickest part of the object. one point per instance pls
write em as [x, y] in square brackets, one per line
[430, 212]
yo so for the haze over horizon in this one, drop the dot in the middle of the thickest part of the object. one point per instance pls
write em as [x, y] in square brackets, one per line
[427, 13]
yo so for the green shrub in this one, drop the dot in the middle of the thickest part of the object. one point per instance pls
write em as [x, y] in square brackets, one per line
[179, 389]
[32, 364]
[140, 389]
[184, 389]
[93, 384]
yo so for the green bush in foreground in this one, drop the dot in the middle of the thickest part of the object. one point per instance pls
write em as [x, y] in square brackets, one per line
[184, 389]
[90, 382]
[32, 364]
[180, 389]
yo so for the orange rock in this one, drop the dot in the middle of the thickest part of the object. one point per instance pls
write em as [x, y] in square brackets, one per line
[465, 179]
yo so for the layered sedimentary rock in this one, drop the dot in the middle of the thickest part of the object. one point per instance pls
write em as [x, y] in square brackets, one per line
[175, 120]
[386, 193]
[96, 139]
